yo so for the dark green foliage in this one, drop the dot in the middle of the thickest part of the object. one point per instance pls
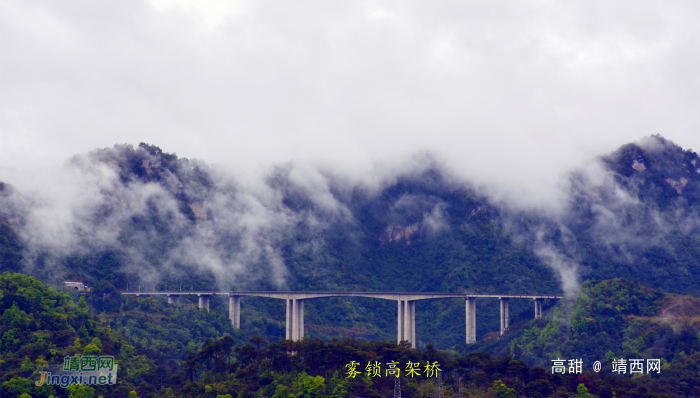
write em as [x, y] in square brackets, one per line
[663, 160]
[167, 329]
[610, 319]
[106, 297]
[10, 244]
[40, 326]
[315, 368]
[10, 248]
[464, 249]
[418, 232]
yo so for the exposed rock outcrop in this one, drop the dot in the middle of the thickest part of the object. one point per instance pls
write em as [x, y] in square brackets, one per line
[198, 210]
[639, 166]
[397, 232]
[678, 184]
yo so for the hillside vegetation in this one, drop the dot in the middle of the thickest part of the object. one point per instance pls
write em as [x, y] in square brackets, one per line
[40, 326]
[156, 219]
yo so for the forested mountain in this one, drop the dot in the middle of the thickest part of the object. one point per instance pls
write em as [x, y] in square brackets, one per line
[138, 216]
[40, 326]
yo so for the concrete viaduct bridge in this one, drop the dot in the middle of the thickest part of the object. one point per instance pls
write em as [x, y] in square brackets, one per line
[406, 321]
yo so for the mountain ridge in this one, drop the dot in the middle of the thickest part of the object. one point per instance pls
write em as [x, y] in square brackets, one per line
[172, 221]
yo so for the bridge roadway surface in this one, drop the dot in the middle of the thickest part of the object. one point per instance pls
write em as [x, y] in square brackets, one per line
[412, 296]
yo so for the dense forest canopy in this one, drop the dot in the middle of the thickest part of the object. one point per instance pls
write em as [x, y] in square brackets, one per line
[150, 218]
[40, 326]
[624, 250]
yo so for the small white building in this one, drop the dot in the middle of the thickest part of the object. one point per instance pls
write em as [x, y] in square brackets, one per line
[79, 286]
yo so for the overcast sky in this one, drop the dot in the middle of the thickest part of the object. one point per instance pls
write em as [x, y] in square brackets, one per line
[509, 93]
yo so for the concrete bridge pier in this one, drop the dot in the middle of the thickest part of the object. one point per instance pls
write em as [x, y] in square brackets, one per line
[234, 311]
[295, 319]
[288, 320]
[538, 308]
[406, 322]
[406, 314]
[204, 301]
[471, 319]
[504, 314]
[173, 299]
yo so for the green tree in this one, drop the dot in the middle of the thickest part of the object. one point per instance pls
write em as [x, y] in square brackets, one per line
[311, 386]
[27, 365]
[582, 392]
[80, 391]
[305, 386]
[502, 391]
[92, 349]
[82, 304]
[17, 386]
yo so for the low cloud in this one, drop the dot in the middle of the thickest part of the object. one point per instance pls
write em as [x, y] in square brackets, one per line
[193, 218]
[565, 268]
[436, 221]
[510, 95]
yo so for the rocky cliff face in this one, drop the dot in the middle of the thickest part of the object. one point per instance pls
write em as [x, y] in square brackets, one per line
[399, 233]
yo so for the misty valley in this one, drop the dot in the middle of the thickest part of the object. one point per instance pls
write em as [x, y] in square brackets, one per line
[614, 261]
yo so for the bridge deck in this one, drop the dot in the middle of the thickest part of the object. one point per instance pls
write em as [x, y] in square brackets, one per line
[310, 295]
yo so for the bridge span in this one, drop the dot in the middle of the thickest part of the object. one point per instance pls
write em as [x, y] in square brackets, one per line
[406, 318]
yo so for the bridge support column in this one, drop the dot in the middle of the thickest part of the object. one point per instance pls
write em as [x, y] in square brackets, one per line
[204, 301]
[471, 319]
[399, 324]
[298, 320]
[538, 308]
[174, 299]
[406, 322]
[412, 309]
[234, 311]
[504, 315]
[288, 321]
[294, 322]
